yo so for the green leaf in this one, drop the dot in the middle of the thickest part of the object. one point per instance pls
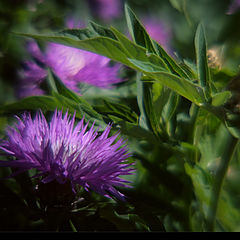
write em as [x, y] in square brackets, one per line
[81, 110]
[122, 222]
[72, 226]
[170, 107]
[178, 4]
[169, 112]
[60, 88]
[134, 131]
[137, 31]
[159, 104]
[143, 119]
[116, 109]
[172, 65]
[181, 6]
[227, 214]
[138, 52]
[221, 98]
[82, 34]
[147, 66]
[118, 50]
[213, 140]
[233, 123]
[101, 31]
[190, 151]
[149, 110]
[202, 185]
[180, 85]
[72, 100]
[202, 62]
[46, 103]
[142, 38]
[51, 82]
[94, 43]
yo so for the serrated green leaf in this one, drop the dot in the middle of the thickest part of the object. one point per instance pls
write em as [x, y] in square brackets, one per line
[80, 34]
[116, 109]
[138, 52]
[98, 44]
[104, 45]
[81, 110]
[172, 65]
[142, 38]
[102, 31]
[137, 30]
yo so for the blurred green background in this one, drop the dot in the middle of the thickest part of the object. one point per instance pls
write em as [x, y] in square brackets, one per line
[156, 199]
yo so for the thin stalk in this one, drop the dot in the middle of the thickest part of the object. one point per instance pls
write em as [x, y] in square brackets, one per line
[217, 186]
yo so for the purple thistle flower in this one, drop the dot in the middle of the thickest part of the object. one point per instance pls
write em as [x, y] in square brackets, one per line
[64, 153]
[31, 78]
[73, 66]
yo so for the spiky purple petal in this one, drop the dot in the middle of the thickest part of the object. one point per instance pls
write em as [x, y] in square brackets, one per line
[62, 152]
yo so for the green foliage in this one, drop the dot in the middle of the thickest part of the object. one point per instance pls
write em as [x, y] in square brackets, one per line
[202, 63]
[179, 117]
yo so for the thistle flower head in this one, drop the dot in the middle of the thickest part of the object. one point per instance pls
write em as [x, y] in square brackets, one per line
[64, 153]
[73, 66]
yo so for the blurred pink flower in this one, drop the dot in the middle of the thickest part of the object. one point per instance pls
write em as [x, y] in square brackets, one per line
[73, 66]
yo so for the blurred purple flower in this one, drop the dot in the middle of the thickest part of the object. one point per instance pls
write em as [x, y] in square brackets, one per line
[234, 6]
[64, 153]
[31, 78]
[106, 9]
[73, 66]
[158, 31]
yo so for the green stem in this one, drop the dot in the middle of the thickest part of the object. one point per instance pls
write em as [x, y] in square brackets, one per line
[217, 186]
